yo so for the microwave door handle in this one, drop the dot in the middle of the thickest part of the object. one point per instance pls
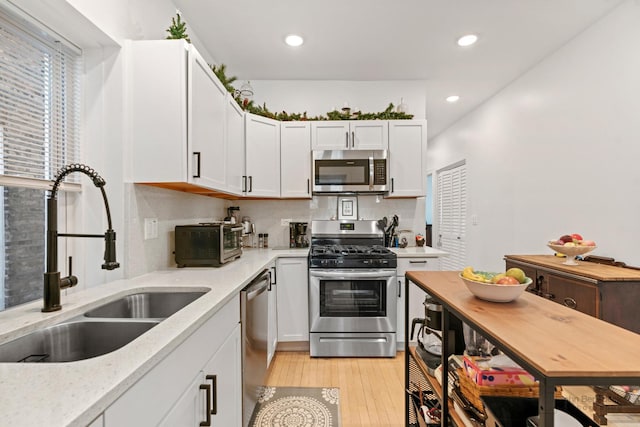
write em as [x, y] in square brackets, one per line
[371, 180]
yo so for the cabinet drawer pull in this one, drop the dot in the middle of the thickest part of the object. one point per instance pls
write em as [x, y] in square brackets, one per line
[418, 262]
[196, 155]
[399, 288]
[214, 385]
[570, 302]
[207, 389]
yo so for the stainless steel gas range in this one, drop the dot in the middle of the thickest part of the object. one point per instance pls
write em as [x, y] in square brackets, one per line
[353, 293]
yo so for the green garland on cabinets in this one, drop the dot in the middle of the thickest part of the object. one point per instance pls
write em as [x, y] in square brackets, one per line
[178, 29]
[262, 110]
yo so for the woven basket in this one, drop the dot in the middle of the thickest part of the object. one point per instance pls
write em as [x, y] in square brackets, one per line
[473, 391]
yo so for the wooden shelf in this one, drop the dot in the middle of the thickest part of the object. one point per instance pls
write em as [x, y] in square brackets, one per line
[436, 387]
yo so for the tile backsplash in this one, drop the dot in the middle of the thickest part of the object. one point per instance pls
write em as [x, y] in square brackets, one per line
[173, 208]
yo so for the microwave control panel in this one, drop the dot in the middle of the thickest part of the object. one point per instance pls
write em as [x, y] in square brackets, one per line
[379, 172]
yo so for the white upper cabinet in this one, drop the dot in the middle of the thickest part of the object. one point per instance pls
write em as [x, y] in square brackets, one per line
[262, 148]
[407, 158]
[350, 135]
[177, 109]
[295, 159]
[206, 120]
[235, 146]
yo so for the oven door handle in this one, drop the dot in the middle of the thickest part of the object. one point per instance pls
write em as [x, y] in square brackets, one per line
[350, 274]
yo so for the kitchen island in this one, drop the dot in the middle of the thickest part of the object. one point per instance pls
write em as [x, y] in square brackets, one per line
[556, 344]
[75, 393]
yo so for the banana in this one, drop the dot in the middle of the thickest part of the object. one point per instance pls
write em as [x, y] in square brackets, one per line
[468, 273]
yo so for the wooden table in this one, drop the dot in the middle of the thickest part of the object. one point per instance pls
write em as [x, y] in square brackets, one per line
[556, 344]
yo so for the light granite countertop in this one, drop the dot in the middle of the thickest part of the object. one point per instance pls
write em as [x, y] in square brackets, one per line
[75, 393]
[418, 252]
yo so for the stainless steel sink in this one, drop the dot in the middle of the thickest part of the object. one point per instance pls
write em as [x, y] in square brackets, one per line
[75, 340]
[155, 305]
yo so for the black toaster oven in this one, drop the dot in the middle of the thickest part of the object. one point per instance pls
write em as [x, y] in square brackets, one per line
[207, 244]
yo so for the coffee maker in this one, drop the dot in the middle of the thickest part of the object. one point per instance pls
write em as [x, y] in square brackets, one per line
[298, 235]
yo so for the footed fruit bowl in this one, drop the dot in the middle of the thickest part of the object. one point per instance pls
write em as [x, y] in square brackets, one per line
[570, 251]
[494, 292]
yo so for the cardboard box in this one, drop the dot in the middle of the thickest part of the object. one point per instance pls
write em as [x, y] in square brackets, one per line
[480, 371]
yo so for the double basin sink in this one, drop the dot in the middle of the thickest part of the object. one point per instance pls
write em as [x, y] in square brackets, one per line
[98, 331]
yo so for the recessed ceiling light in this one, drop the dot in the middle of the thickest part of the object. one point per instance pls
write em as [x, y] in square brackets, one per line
[467, 40]
[293, 40]
[453, 98]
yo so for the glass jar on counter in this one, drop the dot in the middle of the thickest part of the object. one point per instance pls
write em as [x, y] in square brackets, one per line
[261, 240]
[266, 240]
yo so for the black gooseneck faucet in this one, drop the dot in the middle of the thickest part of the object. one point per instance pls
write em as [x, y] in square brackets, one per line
[52, 280]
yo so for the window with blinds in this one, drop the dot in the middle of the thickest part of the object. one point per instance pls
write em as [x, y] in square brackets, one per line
[39, 101]
[452, 216]
[39, 133]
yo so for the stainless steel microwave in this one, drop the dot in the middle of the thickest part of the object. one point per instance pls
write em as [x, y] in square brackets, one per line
[350, 171]
[207, 244]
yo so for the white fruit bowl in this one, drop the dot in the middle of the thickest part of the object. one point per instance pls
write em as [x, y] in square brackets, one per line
[570, 251]
[495, 293]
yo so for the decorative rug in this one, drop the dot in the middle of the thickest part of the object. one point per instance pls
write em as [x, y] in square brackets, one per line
[297, 407]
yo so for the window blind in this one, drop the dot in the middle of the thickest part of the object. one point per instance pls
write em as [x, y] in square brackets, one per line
[452, 216]
[39, 104]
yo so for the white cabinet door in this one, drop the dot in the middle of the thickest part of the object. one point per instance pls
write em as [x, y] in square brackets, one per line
[235, 146]
[417, 296]
[369, 134]
[272, 330]
[407, 158]
[262, 147]
[224, 374]
[330, 135]
[350, 135]
[206, 120]
[190, 410]
[293, 297]
[295, 160]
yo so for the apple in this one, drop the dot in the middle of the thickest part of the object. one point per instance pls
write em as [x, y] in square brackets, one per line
[588, 243]
[566, 238]
[517, 274]
[508, 280]
[576, 236]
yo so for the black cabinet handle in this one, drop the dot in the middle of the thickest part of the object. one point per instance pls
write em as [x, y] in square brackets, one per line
[250, 184]
[399, 288]
[244, 183]
[207, 389]
[214, 385]
[275, 276]
[353, 139]
[392, 184]
[308, 186]
[196, 154]
[346, 137]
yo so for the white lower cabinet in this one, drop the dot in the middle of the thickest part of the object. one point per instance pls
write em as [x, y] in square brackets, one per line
[293, 294]
[175, 391]
[417, 296]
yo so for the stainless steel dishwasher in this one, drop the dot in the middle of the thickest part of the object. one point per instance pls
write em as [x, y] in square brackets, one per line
[254, 312]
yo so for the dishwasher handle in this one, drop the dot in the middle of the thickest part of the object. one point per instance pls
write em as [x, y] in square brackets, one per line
[257, 285]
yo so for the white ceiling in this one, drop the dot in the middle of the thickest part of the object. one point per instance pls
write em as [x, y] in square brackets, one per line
[392, 40]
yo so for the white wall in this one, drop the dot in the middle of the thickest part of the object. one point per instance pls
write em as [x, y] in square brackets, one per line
[556, 151]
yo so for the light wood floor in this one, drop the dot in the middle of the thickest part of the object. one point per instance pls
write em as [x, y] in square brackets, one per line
[371, 389]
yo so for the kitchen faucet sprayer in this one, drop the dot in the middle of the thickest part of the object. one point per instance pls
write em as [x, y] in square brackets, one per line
[52, 280]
